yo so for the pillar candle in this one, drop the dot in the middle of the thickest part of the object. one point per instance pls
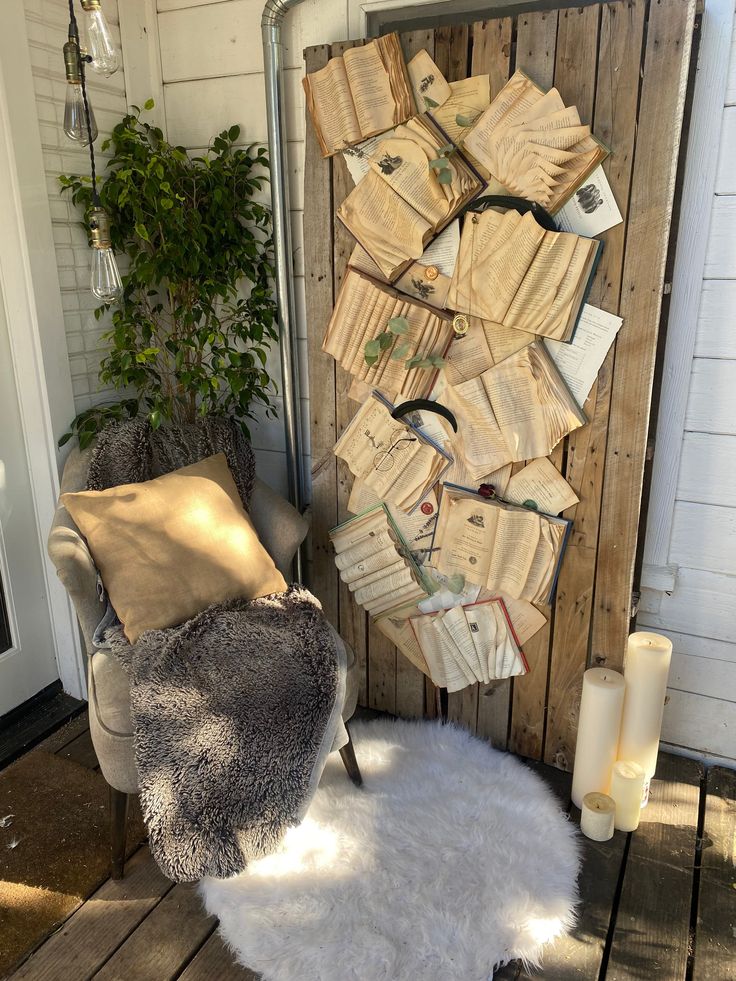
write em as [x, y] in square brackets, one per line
[598, 732]
[596, 816]
[645, 673]
[627, 788]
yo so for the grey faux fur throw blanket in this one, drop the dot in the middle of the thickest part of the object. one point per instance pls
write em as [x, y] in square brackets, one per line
[235, 711]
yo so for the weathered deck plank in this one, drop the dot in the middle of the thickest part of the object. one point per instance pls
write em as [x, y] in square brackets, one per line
[651, 938]
[214, 962]
[715, 940]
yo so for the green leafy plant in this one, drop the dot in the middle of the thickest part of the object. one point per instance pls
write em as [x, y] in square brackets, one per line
[396, 328]
[191, 332]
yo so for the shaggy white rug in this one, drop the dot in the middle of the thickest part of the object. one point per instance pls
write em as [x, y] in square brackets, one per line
[452, 859]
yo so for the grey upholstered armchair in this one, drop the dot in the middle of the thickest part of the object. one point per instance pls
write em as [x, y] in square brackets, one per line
[281, 530]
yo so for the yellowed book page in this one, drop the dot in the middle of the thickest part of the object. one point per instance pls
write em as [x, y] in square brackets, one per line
[379, 85]
[451, 652]
[427, 82]
[559, 322]
[398, 565]
[542, 568]
[508, 662]
[539, 288]
[410, 593]
[480, 441]
[384, 586]
[514, 547]
[483, 629]
[469, 97]
[349, 306]
[504, 341]
[331, 107]
[525, 618]
[466, 530]
[375, 541]
[370, 564]
[515, 98]
[540, 481]
[351, 532]
[469, 356]
[469, 641]
[389, 229]
[403, 165]
[400, 633]
[444, 669]
[481, 235]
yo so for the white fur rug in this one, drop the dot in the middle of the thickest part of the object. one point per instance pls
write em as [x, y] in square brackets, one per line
[451, 859]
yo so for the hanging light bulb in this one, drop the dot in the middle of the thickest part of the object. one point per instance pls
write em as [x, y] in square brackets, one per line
[75, 118]
[99, 40]
[106, 283]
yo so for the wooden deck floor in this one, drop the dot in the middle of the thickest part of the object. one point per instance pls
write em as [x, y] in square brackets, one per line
[658, 904]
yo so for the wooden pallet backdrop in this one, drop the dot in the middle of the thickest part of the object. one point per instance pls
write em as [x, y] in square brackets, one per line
[625, 65]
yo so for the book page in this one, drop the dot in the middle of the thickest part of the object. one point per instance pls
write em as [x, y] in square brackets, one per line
[541, 482]
[399, 632]
[472, 642]
[397, 565]
[468, 98]
[525, 618]
[370, 564]
[353, 531]
[466, 530]
[469, 356]
[514, 548]
[542, 567]
[592, 209]
[445, 670]
[504, 341]
[387, 227]
[483, 629]
[480, 440]
[378, 84]
[357, 157]
[453, 657]
[383, 587]
[579, 362]
[417, 528]
[404, 166]
[427, 81]
[535, 298]
[331, 106]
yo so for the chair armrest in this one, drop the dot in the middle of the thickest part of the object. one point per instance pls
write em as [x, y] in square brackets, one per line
[280, 527]
[68, 551]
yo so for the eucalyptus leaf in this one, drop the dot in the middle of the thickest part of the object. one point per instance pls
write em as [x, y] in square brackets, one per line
[372, 348]
[385, 340]
[439, 163]
[400, 351]
[430, 103]
[398, 325]
[456, 583]
[445, 176]
[465, 120]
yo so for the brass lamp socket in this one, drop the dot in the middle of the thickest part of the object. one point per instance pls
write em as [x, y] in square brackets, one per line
[71, 61]
[91, 5]
[99, 223]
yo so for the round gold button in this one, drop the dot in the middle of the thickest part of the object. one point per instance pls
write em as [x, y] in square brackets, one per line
[431, 272]
[460, 325]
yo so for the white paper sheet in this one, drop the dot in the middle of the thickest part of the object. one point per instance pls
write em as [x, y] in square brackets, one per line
[592, 209]
[580, 361]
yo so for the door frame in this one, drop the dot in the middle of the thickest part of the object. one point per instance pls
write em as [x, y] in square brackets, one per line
[35, 318]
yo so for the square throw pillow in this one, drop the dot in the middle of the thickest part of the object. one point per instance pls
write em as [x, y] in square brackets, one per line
[168, 548]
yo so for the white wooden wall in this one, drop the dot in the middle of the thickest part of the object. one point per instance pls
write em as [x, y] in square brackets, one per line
[698, 608]
[46, 28]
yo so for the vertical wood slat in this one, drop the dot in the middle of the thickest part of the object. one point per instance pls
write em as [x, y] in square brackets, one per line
[616, 102]
[536, 44]
[323, 577]
[491, 55]
[663, 91]
[353, 621]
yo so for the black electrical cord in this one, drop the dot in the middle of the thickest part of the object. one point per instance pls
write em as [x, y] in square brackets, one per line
[74, 35]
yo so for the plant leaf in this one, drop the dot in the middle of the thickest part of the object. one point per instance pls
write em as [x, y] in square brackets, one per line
[400, 351]
[398, 325]
[385, 340]
[430, 103]
[372, 349]
[445, 176]
[148, 104]
[465, 120]
[456, 583]
[439, 163]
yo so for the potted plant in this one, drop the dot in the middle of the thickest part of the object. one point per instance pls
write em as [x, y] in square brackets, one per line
[191, 332]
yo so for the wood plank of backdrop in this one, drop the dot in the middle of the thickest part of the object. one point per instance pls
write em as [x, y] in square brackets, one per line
[616, 100]
[598, 59]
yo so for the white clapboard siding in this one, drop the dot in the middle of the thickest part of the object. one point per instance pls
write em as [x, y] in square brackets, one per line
[708, 469]
[704, 537]
[46, 26]
[696, 722]
[716, 337]
[726, 177]
[720, 261]
[731, 86]
[711, 406]
[702, 603]
[212, 41]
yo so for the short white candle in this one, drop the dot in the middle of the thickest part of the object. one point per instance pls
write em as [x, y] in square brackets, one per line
[645, 673]
[598, 732]
[596, 816]
[627, 788]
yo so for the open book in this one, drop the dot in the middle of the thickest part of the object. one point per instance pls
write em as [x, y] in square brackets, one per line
[375, 562]
[517, 410]
[533, 145]
[471, 643]
[511, 271]
[507, 549]
[410, 194]
[362, 311]
[391, 457]
[364, 92]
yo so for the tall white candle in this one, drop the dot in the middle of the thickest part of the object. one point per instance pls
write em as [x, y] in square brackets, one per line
[645, 673]
[597, 817]
[627, 787]
[598, 732]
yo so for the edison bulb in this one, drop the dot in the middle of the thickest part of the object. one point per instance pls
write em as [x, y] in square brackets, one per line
[106, 283]
[100, 45]
[75, 118]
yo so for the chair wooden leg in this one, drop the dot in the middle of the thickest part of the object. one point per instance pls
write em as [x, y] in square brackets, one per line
[118, 828]
[347, 755]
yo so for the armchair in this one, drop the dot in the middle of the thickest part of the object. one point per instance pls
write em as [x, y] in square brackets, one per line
[281, 530]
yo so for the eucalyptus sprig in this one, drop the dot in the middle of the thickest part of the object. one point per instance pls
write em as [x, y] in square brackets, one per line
[396, 328]
[441, 163]
[466, 121]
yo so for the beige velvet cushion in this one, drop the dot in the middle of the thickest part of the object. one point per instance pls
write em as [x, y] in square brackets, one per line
[168, 548]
